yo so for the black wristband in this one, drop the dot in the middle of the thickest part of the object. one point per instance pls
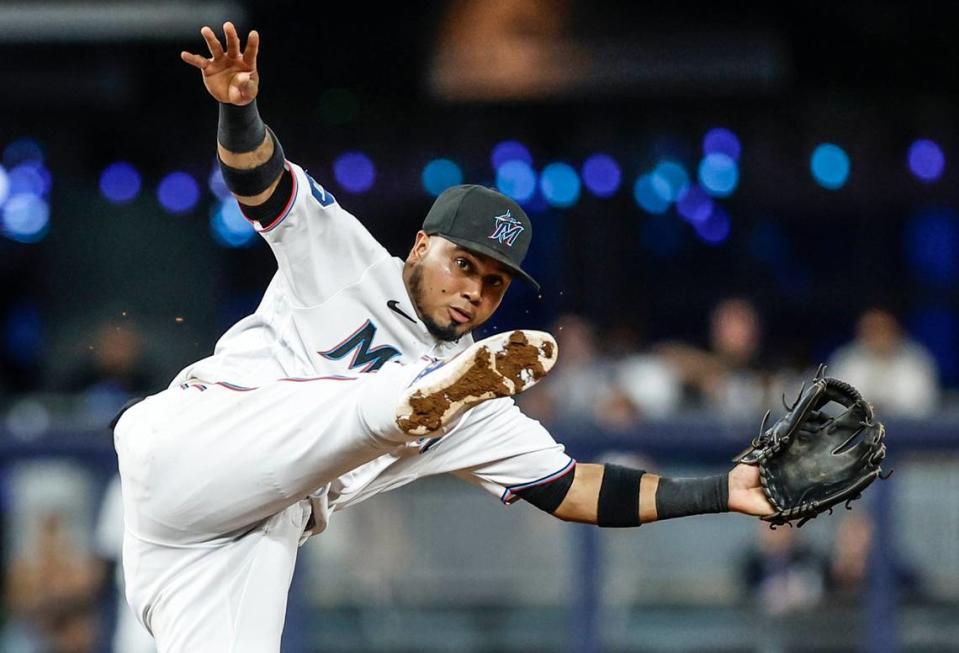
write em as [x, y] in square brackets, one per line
[240, 129]
[618, 505]
[253, 181]
[679, 497]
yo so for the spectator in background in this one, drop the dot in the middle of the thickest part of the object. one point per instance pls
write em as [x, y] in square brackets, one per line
[729, 378]
[849, 567]
[115, 362]
[782, 573]
[49, 591]
[113, 371]
[650, 383]
[582, 387]
[895, 373]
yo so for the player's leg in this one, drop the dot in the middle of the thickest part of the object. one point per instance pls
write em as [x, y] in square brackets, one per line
[202, 462]
[377, 412]
[203, 465]
[225, 598]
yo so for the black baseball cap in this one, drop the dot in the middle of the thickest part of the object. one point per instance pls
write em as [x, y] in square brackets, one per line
[484, 221]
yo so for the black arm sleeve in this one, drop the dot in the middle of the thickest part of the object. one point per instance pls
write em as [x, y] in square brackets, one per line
[548, 496]
[270, 210]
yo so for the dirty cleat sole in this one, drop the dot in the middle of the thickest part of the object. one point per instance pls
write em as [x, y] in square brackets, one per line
[499, 366]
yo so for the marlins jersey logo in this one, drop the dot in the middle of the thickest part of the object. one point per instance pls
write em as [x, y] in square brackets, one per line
[359, 343]
[506, 229]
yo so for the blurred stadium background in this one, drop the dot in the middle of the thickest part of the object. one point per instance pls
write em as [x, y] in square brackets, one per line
[724, 195]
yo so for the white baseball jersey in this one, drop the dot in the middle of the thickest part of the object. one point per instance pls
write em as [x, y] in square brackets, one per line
[338, 306]
[292, 417]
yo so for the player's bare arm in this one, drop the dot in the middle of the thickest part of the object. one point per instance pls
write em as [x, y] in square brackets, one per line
[609, 495]
[231, 78]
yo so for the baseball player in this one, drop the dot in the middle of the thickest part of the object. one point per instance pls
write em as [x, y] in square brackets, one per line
[355, 375]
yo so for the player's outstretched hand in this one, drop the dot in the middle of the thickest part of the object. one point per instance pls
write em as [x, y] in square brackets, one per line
[229, 76]
[746, 494]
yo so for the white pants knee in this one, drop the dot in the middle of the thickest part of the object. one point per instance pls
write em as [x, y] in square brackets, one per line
[228, 598]
[213, 479]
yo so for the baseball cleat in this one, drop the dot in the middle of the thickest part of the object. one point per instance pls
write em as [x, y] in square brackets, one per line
[499, 366]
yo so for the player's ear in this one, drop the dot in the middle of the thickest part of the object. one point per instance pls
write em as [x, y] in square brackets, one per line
[420, 247]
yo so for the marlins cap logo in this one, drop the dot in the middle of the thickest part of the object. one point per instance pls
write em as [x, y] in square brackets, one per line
[506, 229]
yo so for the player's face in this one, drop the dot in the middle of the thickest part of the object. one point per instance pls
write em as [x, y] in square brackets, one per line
[454, 290]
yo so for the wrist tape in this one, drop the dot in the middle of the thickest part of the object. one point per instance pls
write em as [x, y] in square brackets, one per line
[240, 129]
[679, 497]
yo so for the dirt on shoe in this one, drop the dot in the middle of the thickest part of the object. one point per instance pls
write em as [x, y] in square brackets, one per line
[519, 356]
[519, 362]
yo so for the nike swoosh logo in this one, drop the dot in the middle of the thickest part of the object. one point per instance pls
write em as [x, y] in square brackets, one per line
[393, 305]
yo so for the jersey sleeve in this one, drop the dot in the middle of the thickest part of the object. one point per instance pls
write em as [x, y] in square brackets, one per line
[320, 248]
[511, 452]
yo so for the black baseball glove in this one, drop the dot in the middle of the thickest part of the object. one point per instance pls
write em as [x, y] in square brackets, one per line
[808, 461]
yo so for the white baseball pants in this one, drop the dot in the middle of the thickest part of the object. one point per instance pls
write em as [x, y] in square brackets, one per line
[214, 479]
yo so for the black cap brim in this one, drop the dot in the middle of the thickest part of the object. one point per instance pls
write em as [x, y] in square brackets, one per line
[493, 254]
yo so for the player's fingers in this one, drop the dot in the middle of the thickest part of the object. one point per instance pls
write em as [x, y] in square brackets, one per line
[232, 40]
[212, 42]
[195, 60]
[252, 48]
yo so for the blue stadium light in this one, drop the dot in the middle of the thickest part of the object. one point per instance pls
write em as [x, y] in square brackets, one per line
[601, 175]
[228, 226]
[694, 205]
[560, 185]
[932, 246]
[720, 140]
[830, 166]
[926, 160]
[516, 179]
[216, 184]
[354, 172]
[718, 174]
[536, 204]
[4, 186]
[440, 174]
[41, 171]
[651, 194]
[26, 218]
[715, 229]
[672, 176]
[178, 192]
[22, 150]
[29, 178]
[506, 151]
[120, 182]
